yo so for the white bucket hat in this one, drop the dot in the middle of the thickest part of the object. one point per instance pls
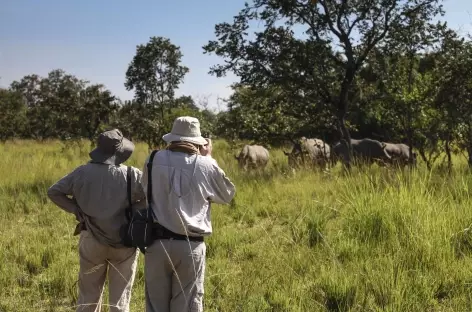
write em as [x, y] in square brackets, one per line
[185, 129]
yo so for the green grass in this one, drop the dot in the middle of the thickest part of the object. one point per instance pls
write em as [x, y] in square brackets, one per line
[374, 240]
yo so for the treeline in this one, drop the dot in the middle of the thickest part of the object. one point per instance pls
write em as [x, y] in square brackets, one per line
[382, 69]
[62, 106]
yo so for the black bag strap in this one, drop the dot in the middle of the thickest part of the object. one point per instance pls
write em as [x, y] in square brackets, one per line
[128, 211]
[128, 186]
[149, 185]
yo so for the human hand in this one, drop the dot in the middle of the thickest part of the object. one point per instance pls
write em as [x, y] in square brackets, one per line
[206, 149]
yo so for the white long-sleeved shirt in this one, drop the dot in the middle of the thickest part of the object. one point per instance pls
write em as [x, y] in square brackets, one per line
[183, 187]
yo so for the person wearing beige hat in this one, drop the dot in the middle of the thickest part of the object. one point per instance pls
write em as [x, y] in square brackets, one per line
[185, 180]
[99, 194]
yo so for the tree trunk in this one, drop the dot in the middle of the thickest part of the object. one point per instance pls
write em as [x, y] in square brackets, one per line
[425, 159]
[410, 145]
[347, 137]
[469, 145]
[149, 144]
[409, 114]
[342, 111]
[469, 150]
[448, 155]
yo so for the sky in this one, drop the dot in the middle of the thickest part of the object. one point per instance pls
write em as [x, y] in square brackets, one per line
[96, 39]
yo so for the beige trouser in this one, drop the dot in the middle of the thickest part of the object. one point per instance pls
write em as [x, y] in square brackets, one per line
[95, 260]
[174, 273]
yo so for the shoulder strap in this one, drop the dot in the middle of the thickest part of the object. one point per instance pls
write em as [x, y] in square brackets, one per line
[128, 180]
[128, 192]
[149, 178]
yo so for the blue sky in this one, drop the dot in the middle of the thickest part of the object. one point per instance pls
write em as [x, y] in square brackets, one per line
[96, 39]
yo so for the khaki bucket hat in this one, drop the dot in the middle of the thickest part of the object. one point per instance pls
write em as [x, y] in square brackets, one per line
[112, 148]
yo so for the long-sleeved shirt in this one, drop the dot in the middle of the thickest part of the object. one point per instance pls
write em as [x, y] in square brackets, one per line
[183, 187]
[98, 197]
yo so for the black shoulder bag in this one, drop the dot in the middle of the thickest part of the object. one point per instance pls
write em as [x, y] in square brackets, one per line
[137, 232]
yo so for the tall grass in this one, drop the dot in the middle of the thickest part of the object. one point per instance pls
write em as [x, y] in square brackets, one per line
[373, 240]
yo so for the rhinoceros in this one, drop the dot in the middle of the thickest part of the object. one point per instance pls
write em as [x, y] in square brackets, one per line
[364, 151]
[309, 152]
[253, 157]
[400, 154]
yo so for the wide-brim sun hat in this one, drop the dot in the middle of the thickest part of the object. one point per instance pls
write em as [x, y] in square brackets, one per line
[186, 129]
[112, 148]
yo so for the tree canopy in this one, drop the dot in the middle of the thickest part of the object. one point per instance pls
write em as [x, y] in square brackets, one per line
[321, 64]
[382, 69]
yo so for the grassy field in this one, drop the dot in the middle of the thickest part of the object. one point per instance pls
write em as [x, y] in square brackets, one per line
[377, 240]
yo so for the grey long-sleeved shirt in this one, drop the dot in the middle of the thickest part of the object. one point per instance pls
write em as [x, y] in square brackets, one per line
[183, 187]
[98, 196]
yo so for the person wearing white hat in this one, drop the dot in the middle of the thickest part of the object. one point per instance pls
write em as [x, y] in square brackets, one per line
[185, 181]
[98, 194]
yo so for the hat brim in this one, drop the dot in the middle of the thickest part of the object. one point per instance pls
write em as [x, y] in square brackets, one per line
[119, 157]
[170, 137]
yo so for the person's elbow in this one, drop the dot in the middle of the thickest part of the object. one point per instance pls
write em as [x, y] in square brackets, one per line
[231, 193]
[225, 197]
[52, 193]
[55, 195]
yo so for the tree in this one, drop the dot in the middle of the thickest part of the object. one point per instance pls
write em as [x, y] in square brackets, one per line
[13, 117]
[269, 116]
[413, 34]
[454, 85]
[128, 118]
[256, 116]
[399, 90]
[154, 74]
[51, 103]
[344, 31]
[185, 102]
[30, 89]
[95, 108]
[64, 106]
[60, 103]
[130, 115]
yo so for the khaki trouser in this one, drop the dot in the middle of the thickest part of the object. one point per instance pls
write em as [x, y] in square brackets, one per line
[174, 273]
[95, 260]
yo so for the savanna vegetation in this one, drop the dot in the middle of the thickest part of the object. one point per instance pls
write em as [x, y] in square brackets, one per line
[368, 239]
